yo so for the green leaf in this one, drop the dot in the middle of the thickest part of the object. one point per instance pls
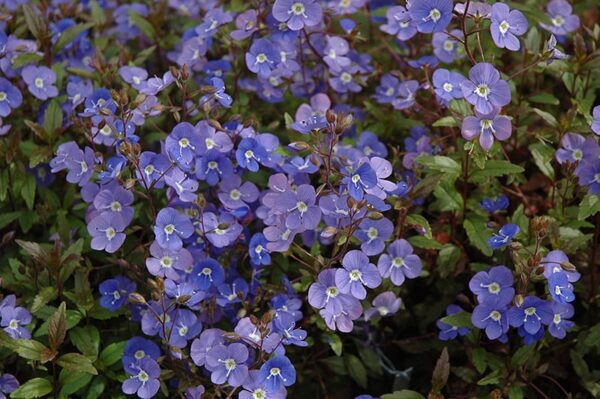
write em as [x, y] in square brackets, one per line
[520, 219]
[356, 369]
[544, 98]
[45, 295]
[546, 116]
[112, 353]
[496, 168]
[479, 358]
[98, 15]
[86, 340]
[522, 355]
[441, 371]
[461, 319]
[29, 349]
[73, 381]
[35, 21]
[336, 364]
[7, 218]
[28, 190]
[336, 343]
[424, 242]
[26, 59]
[447, 260]
[448, 199]
[143, 55]
[77, 362]
[490, 379]
[476, 229]
[371, 359]
[34, 388]
[69, 34]
[418, 220]
[57, 326]
[440, 163]
[542, 156]
[145, 26]
[579, 365]
[446, 121]
[403, 394]
[53, 117]
[589, 206]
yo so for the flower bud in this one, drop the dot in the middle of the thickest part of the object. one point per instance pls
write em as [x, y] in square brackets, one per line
[136, 298]
[519, 300]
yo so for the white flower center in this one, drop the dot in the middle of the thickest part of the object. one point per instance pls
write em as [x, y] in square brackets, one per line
[3, 96]
[448, 45]
[355, 275]
[110, 233]
[435, 15]
[345, 77]
[372, 233]
[558, 21]
[397, 262]
[448, 87]
[166, 262]
[139, 354]
[495, 315]
[235, 194]
[577, 155]
[482, 90]
[39, 83]
[143, 376]
[210, 143]
[260, 58]
[298, 9]
[106, 130]
[115, 206]
[503, 27]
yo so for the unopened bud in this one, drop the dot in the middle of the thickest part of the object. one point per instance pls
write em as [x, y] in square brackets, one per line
[299, 145]
[519, 300]
[137, 299]
[331, 116]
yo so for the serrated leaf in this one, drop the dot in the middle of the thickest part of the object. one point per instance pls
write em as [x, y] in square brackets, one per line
[418, 220]
[86, 339]
[57, 326]
[112, 353]
[461, 319]
[424, 242]
[542, 156]
[34, 388]
[490, 379]
[589, 206]
[478, 234]
[440, 163]
[45, 295]
[29, 349]
[77, 362]
[356, 369]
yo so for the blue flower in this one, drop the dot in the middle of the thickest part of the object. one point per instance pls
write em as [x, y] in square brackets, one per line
[259, 255]
[250, 153]
[504, 236]
[364, 177]
[492, 206]
[115, 292]
[431, 15]
[276, 373]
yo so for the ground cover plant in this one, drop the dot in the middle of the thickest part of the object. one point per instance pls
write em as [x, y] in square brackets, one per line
[299, 198]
